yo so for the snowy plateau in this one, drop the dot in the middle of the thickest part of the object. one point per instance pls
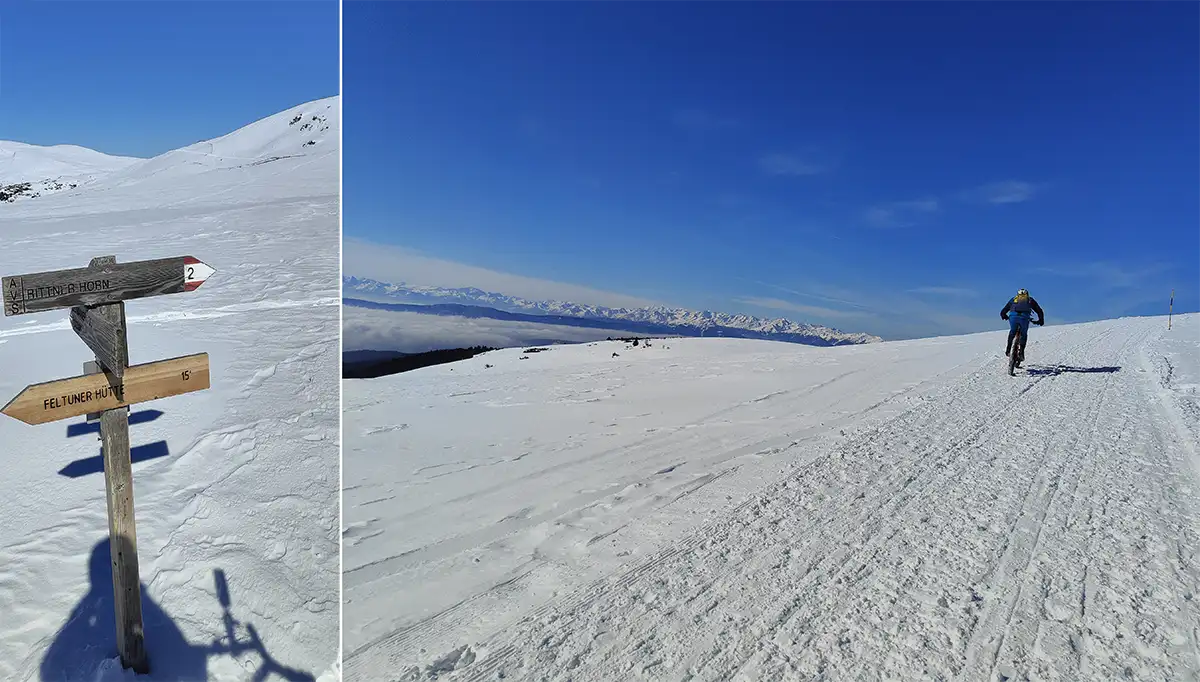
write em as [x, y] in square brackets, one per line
[727, 509]
[472, 315]
[236, 487]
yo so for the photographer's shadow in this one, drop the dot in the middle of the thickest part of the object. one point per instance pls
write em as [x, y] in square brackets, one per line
[88, 638]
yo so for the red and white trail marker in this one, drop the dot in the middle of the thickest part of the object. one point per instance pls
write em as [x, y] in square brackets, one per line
[195, 272]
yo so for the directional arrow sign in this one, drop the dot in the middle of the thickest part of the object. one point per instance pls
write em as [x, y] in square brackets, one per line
[102, 283]
[66, 398]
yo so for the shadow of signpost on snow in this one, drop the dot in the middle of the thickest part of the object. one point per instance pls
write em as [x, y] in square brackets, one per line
[1056, 370]
[232, 646]
[95, 465]
[87, 641]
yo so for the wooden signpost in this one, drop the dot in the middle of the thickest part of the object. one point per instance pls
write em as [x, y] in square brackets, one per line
[103, 282]
[93, 393]
[96, 296]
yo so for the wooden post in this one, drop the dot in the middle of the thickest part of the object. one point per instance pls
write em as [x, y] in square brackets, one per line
[118, 486]
[92, 367]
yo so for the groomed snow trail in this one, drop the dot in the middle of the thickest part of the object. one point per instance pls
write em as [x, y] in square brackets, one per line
[975, 526]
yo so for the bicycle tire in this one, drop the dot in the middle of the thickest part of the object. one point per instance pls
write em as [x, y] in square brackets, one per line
[1013, 352]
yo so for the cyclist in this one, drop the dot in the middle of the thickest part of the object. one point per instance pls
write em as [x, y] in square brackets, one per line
[1018, 313]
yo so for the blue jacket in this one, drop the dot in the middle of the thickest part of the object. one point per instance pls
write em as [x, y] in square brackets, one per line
[1023, 308]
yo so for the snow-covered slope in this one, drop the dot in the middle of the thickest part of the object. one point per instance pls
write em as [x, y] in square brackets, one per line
[303, 133]
[662, 319]
[31, 171]
[716, 509]
[20, 162]
[284, 154]
[239, 480]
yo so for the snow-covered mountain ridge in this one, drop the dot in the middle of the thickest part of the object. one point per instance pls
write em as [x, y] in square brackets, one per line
[20, 162]
[304, 134]
[682, 320]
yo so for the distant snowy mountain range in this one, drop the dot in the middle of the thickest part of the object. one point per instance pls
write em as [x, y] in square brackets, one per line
[472, 302]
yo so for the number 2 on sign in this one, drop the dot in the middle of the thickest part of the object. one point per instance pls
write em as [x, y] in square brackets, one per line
[186, 374]
[191, 272]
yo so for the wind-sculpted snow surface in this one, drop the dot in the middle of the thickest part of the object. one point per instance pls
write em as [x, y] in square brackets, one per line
[710, 509]
[235, 486]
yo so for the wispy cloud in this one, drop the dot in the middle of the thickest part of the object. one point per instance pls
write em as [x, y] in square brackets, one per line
[815, 311]
[827, 293]
[900, 213]
[788, 165]
[1111, 275]
[1005, 192]
[700, 121]
[892, 314]
[947, 292]
[1127, 301]
[396, 264]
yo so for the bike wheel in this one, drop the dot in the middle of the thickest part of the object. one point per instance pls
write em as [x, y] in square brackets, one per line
[1012, 354]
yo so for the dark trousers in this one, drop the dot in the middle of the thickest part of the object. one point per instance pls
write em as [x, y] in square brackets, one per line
[1017, 321]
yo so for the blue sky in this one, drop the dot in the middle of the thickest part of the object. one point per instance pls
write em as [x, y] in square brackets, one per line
[894, 168]
[142, 78]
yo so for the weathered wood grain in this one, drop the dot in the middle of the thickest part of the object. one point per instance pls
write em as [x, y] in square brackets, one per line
[122, 537]
[102, 328]
[76, 396]
[100, 283]
[92, 367]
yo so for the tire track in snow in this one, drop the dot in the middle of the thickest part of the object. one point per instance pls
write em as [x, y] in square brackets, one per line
[688, 442]
[495, 660]
[398, 644]
[923, 594]
[457, 615]
[1047, 619]
[1011, 577]
[859, 539]
[717, 550]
